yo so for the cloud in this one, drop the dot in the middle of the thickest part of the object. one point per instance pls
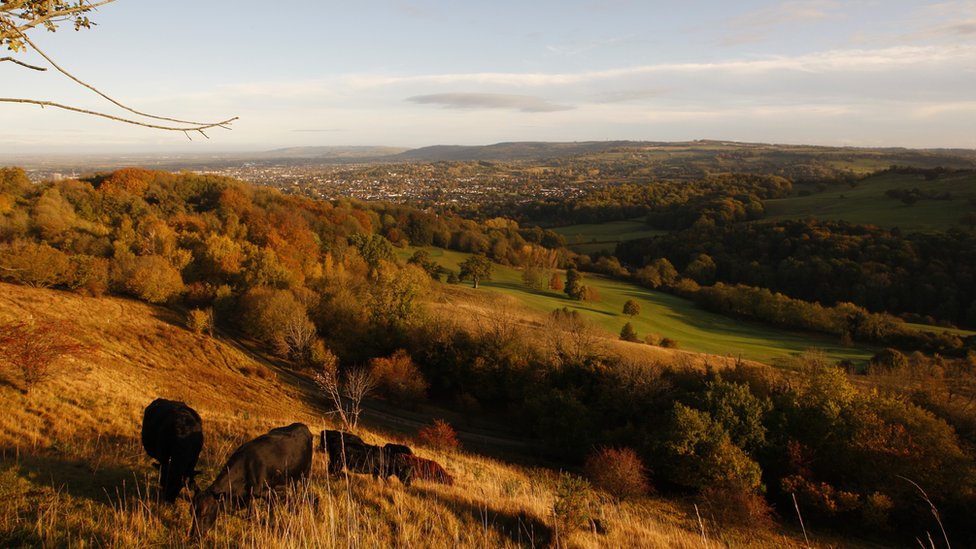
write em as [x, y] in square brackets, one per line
[755, 25]
[834, 60]
[524, 103]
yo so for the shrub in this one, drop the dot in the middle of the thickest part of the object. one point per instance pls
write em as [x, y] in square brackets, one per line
[628, 333]
[88, 275]
[669, 343]
[439, 435]
[733, 504]
[574, 502]
[35, 347]
[398, 379]
[153, 279]
[699, 453]
[617, 471]
[200, 321]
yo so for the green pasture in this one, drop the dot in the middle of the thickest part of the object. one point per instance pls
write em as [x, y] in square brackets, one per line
[666, 315]
[866, 204]
[596, 237]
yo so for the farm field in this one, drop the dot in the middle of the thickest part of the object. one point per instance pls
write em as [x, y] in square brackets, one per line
[867, 204]
[596, 237]
[665, 315]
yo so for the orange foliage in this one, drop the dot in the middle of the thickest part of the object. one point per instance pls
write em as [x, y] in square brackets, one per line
[132, 180]
[440, 435]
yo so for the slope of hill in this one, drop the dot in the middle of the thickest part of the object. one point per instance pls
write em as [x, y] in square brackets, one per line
[867, 203]
[509, 151]
[73, 473]
[663, 314]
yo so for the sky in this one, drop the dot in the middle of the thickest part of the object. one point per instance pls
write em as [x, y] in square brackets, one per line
[412, 73]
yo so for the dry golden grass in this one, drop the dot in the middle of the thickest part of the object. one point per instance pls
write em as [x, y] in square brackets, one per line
[73, 472]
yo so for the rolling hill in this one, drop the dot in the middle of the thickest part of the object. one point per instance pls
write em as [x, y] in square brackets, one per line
[72, 472]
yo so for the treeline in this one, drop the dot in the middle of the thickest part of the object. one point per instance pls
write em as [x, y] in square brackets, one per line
[847, 321]
[268, 263]
[716, 199]
[741, 439]
[931, 276]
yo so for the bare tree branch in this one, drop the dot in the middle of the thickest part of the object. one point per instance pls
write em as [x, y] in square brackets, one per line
[22, 64]
[35, 14]
[223, 124]
[102, 94]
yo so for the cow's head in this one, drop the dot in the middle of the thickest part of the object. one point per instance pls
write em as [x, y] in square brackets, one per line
[205, 507]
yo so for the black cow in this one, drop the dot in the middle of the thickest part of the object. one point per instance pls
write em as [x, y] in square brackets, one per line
[279, 457]
[349, 451]
[172, 434]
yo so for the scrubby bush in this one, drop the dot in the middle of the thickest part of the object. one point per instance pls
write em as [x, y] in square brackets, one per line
[37, 347]
[439, 435]
[399, 380]
[200, 321]
[573, 507]
[618, 471]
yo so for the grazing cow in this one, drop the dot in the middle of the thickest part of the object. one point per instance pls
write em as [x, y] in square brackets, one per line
[279, 457]
[172, 434]
[427, 469]
[349, 451]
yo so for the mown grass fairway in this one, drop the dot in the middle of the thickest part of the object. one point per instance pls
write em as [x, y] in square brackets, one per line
[668, 316]
[866, 204]
[597, 237]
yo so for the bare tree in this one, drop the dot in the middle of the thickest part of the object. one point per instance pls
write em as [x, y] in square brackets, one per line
[297, 336]
[358, 383]
[345, 393]
[327, 378]
[18, 17]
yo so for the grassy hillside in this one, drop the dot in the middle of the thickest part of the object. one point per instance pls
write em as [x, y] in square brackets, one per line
[866, 204]
[664, 314]
[73, 473]
[596, 237]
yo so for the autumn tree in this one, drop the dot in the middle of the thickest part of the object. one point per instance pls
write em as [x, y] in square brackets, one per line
[632, 308]
[36, 347]
[476, 268]
[422, 259]
[398, 379]
[18, 18]
[574, 285]
[556, 282]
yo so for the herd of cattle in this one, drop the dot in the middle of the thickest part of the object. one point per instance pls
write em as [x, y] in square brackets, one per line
[172, 434]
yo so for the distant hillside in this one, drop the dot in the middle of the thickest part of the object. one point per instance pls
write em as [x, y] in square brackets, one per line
[332, 153]
[526, 150]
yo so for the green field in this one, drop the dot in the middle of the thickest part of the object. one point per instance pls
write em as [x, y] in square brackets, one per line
[866, 204]
[597, 237]
[668, 316]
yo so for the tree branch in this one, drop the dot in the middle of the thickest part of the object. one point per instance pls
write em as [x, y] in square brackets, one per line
[53, 16]
[22, 64]
[196, 128]
[103, 95]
